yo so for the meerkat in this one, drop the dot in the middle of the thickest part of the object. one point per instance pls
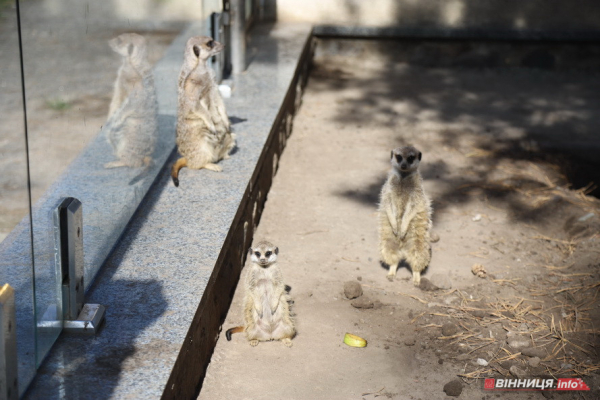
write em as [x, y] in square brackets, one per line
[132, 118]
[203, 130]
[266, 308]
[405, 215]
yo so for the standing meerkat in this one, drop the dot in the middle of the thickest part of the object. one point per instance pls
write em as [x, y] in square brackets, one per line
[266, 307]
[131, 126]
[405, 215]
[203, 131]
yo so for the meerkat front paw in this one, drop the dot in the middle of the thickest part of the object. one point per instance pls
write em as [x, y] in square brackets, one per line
[287, 342]
[254, 343]
[391, 277]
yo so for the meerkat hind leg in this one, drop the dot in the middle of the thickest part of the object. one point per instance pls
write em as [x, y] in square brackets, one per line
[392, 272]
[416, 278]
[287, 342]
[213, 167]
[390, 255]
[254, 342]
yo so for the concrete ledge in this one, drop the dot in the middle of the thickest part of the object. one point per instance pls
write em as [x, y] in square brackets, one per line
[168, 284]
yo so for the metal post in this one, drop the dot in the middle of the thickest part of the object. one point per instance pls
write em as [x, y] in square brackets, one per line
[78, 317]
[9, 389]
[238, 36]
[68, 218]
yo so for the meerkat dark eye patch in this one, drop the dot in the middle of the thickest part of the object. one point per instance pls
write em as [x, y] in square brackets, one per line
[210, 44]
[398, 158]
[268, 254]
[411, 159]
[257, 254]
[197, 51]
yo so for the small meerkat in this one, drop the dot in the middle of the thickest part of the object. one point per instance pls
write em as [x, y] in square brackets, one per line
[132, 118]
[266, 308]
[405, 215]
[203, 130]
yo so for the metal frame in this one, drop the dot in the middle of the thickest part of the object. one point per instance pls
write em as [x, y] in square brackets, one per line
[9, 388]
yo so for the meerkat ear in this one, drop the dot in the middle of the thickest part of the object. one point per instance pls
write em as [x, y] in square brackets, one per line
[391, 154]
[130, 49]
[249, 250]
[276, 250]
[197, 51]
[420, 156]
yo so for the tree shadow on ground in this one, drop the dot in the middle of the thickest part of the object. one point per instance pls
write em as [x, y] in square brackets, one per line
[524, 136]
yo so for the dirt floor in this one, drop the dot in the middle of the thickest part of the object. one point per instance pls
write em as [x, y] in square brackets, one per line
[501, 200]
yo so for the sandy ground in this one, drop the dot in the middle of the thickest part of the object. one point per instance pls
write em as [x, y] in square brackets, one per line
[499, 201]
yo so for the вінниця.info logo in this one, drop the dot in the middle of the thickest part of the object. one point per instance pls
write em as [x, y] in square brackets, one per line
[535, 384]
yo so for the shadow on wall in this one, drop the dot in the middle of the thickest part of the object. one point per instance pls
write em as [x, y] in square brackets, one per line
[549, 15]
[522, 135]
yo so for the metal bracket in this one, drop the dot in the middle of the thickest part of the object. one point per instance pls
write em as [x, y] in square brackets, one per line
[78, 317]
[9, 389]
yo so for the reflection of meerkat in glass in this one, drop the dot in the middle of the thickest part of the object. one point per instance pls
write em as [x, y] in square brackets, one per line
[405, 215]
[203, 131]
[266, 307]
[131, 125]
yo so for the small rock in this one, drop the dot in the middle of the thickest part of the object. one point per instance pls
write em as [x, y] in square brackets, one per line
[517, 372]
[547, 394]
[440, 361]
[449, 329]
[534, 352]
[427, 285]
[507, 365]
[477, 217]
[359, 278]
[364, 302]
[386, 347]
[482, 362]
[478, 270]
[524, 327]
[519, 342]
[566, 366]
[440, 280]
[352, 289]
[410, 342]
[479, 313]
[453, 388]
[434, 237]
[462, 357]
[534, 362]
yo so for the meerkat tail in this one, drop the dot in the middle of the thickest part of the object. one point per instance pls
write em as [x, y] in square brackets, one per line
[182, 162]
[237, 329]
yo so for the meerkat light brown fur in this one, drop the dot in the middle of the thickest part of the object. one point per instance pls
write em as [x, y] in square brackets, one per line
[266, 307]
[405, 215]
[132, 118]
[203, 131]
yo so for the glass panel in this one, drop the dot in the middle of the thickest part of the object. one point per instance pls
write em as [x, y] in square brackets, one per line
[93, 123]
[16, 266]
